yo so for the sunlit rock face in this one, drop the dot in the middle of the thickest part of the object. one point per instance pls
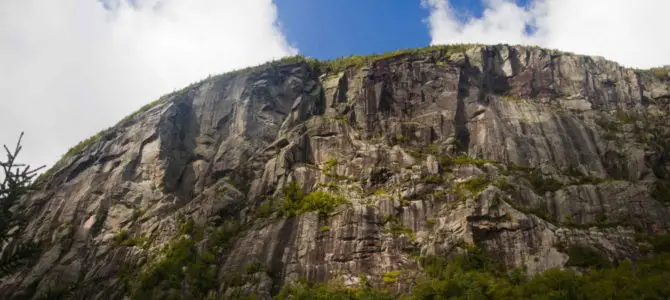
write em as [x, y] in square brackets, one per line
[520, 151]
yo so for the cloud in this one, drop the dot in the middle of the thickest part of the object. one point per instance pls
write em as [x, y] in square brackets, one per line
[629, 32]
[70, 68]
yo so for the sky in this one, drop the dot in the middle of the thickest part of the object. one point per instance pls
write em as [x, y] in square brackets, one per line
[71, 68]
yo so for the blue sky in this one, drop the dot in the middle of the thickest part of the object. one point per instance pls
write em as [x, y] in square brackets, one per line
[330, 29]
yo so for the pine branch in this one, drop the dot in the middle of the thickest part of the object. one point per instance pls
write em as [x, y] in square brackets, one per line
[15, 182]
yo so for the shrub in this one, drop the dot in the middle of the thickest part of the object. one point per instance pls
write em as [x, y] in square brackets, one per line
[391, 277]
[541, 183]
[661, 192]
[264, 210]
[296, 203]
[584, 256]
[253, 268]
[432, 179]
[475, 185]
[329, 165]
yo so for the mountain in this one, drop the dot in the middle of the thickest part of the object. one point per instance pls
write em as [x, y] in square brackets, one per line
[355, 169]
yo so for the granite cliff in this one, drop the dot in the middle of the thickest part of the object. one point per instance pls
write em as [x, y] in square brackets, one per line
[300, 169]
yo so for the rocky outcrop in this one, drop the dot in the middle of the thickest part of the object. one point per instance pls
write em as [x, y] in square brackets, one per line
[521, 151]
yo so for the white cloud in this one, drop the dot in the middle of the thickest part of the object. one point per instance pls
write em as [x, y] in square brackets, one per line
[626, 31]
[70, 68]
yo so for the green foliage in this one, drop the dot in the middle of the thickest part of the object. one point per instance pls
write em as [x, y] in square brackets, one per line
[329, 165]
[391, 276]
[295, 202]
[583, 256]
[401, 139]
[254, 268]
[381, 192]
[447, 161]
[661, 72]
[264, 210]
[324, 228]
[475, 274]
[475, 185]
[504, 185]
[123, 238]
[661, 192]
[183, 269]
[542, 183]
[357, 61]
[432, 179]
[511, 98]
[330, 291]
[15, 181]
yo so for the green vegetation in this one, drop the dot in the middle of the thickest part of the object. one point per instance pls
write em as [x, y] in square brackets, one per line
[329, 165]
[15, 181]
[324, 228]
[542, 183]
[661, 192]
[331, 291]
[432, 179]
[295, 202]
[182, 269]
[511, 98]
[381, 192]
[264, 210]
[504, 185]
[583, 256]
[391, 277]
[661, 72]
[447, 161]
[357, 61]
[539, 210]
[254, 268]
[475, 185]
[123, 238]
[477, 275]
[401, 139]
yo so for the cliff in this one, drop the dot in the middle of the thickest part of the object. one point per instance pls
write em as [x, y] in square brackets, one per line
[328, 170]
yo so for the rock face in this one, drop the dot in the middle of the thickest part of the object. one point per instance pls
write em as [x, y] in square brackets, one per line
[523, 152]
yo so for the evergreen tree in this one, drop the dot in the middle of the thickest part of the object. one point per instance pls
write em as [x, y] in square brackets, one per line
[15, 181]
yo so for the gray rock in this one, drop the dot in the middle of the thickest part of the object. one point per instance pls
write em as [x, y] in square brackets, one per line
[218, 149]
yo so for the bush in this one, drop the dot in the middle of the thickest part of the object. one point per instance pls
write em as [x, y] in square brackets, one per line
[391, 277]
[296, 203]
[329, 165]
[475, 185]
[541, 183]
[584, 256]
